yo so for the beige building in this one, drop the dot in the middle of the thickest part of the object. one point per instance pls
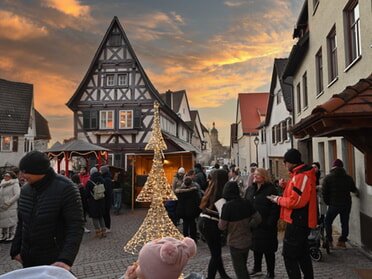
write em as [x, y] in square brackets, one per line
[333, 51]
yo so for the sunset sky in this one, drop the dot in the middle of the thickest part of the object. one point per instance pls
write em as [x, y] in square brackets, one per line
[212, 49]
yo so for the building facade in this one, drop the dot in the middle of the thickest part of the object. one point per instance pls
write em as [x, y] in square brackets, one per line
[333, 53]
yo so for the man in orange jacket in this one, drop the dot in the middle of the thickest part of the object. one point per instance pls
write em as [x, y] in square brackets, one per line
[298, 209]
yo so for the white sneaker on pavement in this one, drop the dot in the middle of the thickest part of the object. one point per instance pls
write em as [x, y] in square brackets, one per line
[86, 230]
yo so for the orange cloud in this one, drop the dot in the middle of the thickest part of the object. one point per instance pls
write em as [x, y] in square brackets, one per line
[70, 7]
[15, 27]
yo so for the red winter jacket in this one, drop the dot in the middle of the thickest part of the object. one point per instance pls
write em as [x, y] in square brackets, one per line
[298, 204]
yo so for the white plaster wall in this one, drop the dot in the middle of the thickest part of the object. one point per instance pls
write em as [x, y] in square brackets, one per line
[321, 21]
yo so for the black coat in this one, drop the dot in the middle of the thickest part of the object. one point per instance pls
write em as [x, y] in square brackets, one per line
[50, 222]
[108, 190]
[265, 235]
[96, 207]
[336, 187]
[188, 202]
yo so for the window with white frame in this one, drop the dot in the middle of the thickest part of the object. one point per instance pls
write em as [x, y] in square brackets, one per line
[353, 45]
[284, 130]
[263, 135]
[278, 133]
[332, 55]
[273, 138]
[106, 120]
[289, 125]
[110, 79]
[319, 71]
[304, 90]
[126, 119]
[298, 93]
[122, 79]
[8, 143]
[116, 79]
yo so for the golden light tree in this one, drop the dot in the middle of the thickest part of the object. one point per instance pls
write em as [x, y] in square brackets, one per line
[156, 190]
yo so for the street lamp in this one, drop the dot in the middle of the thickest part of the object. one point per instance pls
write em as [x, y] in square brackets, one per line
[256, 142]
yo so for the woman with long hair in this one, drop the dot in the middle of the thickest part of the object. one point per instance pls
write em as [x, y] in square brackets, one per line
[265, 241]
[208, 223]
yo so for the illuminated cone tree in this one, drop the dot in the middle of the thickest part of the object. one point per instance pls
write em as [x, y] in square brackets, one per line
[156, 190]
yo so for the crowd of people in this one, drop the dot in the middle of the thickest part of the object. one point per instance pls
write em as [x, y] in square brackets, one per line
[244, 213]
[45, 219]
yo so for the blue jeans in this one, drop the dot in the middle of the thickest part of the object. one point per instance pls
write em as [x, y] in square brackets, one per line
[117, 200]
[331, 214]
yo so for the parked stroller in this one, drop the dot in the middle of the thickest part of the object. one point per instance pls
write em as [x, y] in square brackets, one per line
[317, 239]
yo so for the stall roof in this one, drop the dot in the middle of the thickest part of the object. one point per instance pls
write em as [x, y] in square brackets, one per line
[184, 146]
[76, 145]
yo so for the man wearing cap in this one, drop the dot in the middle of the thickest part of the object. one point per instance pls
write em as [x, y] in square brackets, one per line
[50, 225]
[298, 209]
[336, 188]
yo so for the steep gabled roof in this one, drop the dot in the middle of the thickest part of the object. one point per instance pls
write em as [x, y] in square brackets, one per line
[174, 99]
[278, 68]
[42, 127]
[94, 64]
[15, 106]
[253, 108]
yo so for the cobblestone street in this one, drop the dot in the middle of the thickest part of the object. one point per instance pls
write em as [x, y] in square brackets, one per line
[106, 259]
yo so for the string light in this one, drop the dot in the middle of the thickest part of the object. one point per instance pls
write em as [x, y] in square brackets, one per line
[156, 190]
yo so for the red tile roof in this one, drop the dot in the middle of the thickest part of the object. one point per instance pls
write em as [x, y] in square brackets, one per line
[349, 111]
[253, 108]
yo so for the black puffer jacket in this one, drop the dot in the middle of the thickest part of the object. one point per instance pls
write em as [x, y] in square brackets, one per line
[188, 202]
[50, 222]
[336, 187]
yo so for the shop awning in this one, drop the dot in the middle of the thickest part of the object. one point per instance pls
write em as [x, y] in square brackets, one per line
[348, 114]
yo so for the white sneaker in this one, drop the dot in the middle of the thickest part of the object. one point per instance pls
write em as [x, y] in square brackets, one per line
[86, 230]
[108, 230]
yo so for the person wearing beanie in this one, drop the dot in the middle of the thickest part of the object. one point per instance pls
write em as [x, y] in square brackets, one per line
[162, 258]
[59, 206]
[171, 205]
[336, 189]
[298, 208]
[107, 178]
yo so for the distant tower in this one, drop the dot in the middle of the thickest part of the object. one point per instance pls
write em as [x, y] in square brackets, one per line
[217, 149]
[214, 136]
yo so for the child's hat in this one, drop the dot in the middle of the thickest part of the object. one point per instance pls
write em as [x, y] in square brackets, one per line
[165, 258]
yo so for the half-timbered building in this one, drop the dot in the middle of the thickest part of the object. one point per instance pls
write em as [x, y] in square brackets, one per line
[114, 108]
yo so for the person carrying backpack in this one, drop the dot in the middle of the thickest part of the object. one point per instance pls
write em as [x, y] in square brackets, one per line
[96, 201]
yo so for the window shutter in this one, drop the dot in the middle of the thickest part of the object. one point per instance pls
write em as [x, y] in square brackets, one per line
[137, 118]
[94, 119]
[15, 144]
